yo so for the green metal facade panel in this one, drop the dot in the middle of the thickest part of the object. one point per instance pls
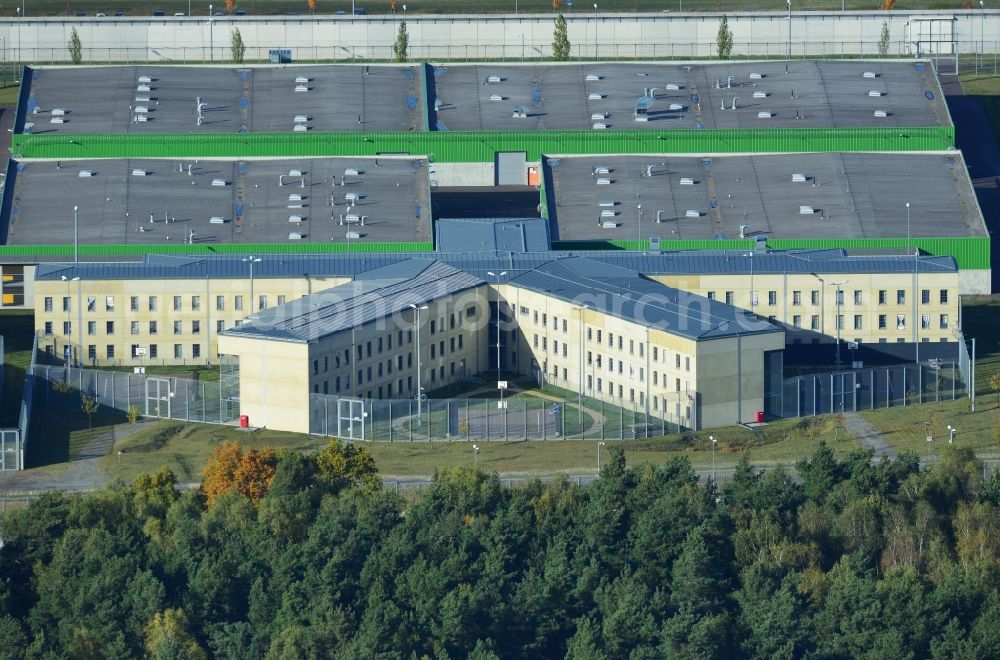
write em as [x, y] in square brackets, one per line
[969, 252]
[49, 251]
[461, 147]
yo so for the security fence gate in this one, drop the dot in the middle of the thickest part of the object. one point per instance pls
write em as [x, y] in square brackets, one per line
[158, 397]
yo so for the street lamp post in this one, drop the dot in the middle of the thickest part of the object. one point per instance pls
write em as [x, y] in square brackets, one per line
[420, 391]
[789, 30]
[599, 445]
[69, 320]
[837, 321]
[211, 35]
[714, 441]
[951, 433]
[595, 30]
[475, 456]
[252, 260]
[499, 389]
[579, 399]
[76, 234]
[982, 33]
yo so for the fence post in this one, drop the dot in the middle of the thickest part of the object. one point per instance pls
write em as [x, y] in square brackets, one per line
[888, 392]
[953, 373]
[390, 420]
[904, 386]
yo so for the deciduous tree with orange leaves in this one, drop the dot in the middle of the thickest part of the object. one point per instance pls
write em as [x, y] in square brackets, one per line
[312, 5]
[888, 5]
[231, 469]
[230, 5]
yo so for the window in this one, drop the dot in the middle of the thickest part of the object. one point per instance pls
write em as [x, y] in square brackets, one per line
[881, 322]
[925, 321]
[91, 351]
[857, 321]
[281, 300]
[797, 321]
[599, 336]
[48, 327]
[840, 321]
[91, 327]
[452, 345]
[677, 360]
[687, 364]
[621, 343]
[564, 350]
[135, 328]
[857, 296]
[534, 317]
[881, 296]
[814, 322]
[433, 326]
[152, 303]
[535, 341]
[545, 343]
[460, 342]
[900, 321]
[177, 303]
[178, 352]
[67, 328]
[109, 350]
[238, 303]
[379, 344]
[711, 295]
[433, 347]
[152, 327]
[523, 310]
[839, 297]
[220, 326]
[772, 298]
[261, 302]
[555, 346]
[66, 304]
[729, 297]
[133, 303]
[152, 350]
[91, 303]
[48, 303]
[925, 296]
[565, 328]
[796, 297]
[195, 327]
[944, 296]
[470, 312]
[900, 297]
[177, 328]
[943, 321]
[135, 351]
[814, 297]
[631, 347]
[196, 350]
[109, 327]
[220, 303]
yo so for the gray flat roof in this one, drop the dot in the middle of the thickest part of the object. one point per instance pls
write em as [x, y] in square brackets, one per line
[260, 98]
[813, 94]
[491, 235]
[734, 262]
[379, 294]
[115, 205]
[851, 195]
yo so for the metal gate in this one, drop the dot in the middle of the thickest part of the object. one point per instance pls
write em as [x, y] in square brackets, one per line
[158, 397]
[511, 168]
[351, 417]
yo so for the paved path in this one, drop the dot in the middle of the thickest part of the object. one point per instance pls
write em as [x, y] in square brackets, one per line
[869, 436]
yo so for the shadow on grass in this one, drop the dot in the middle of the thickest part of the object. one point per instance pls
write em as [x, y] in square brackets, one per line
[69, 436]
[17, 330]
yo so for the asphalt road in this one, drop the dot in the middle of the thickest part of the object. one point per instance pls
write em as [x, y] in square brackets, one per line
[974, 136]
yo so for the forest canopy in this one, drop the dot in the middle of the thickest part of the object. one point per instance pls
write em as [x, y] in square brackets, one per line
[294, 556]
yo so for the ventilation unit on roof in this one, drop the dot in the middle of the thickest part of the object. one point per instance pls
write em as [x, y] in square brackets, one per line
[756, 76]
[760, 94]
[216, 220]
[351, 219]
[137, 172]
[593, 77]
[141, 110]
[598, 116]
[869, 75]
[295, 197]
[295, 219]
[676, 107]
[300, 119]
[57, 120]
[798, 177]
[594, 96]
[881, 113]
[58, 112]
[604, 181]
[142, 88]
[353, 234]
[219, 183]
[673, 87]
[300, 80]
[84, 173]
[687, 181]
[294, 172]
[142, 98]
[351, 171]
[142, 118]
[608, 213]
[494, 79]
[874, 92]
[144, 80]
[607, 202]
[609, 224]
[496, 97]
[692, 213]
[599, 125]
[302, 88]
[600, 169]
[298, 128]
[294, 236]
[806, 210]
[352, 197]
[763, 114]
[520, 112]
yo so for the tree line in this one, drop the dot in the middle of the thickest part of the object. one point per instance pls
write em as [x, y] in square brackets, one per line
[293, 556]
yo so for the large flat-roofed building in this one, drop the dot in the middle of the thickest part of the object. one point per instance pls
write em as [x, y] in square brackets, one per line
[887, 202]
[125, 207]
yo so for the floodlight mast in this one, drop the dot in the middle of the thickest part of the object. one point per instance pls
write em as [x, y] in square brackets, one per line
[420, 393]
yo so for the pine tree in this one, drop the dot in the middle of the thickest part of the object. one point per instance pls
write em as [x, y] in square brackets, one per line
[883, 40]
[402, 43]
[237, 47]
[560, 40]
[724, 41]
[75, 47]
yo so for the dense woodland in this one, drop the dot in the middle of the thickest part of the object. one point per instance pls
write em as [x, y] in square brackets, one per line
[291, 556]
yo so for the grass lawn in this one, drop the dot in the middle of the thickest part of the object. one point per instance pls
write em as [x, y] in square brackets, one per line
[8, 92]
[180, 371]
[258, 7]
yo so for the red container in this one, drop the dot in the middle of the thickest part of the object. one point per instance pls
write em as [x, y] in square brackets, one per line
[245, 421]
[760, 416]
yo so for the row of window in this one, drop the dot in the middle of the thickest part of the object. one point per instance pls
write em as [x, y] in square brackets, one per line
[611, 390]
[883, 322]
[135, 327]
[153, 351]
[152, 303]
[343, 384]
[814, 297]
